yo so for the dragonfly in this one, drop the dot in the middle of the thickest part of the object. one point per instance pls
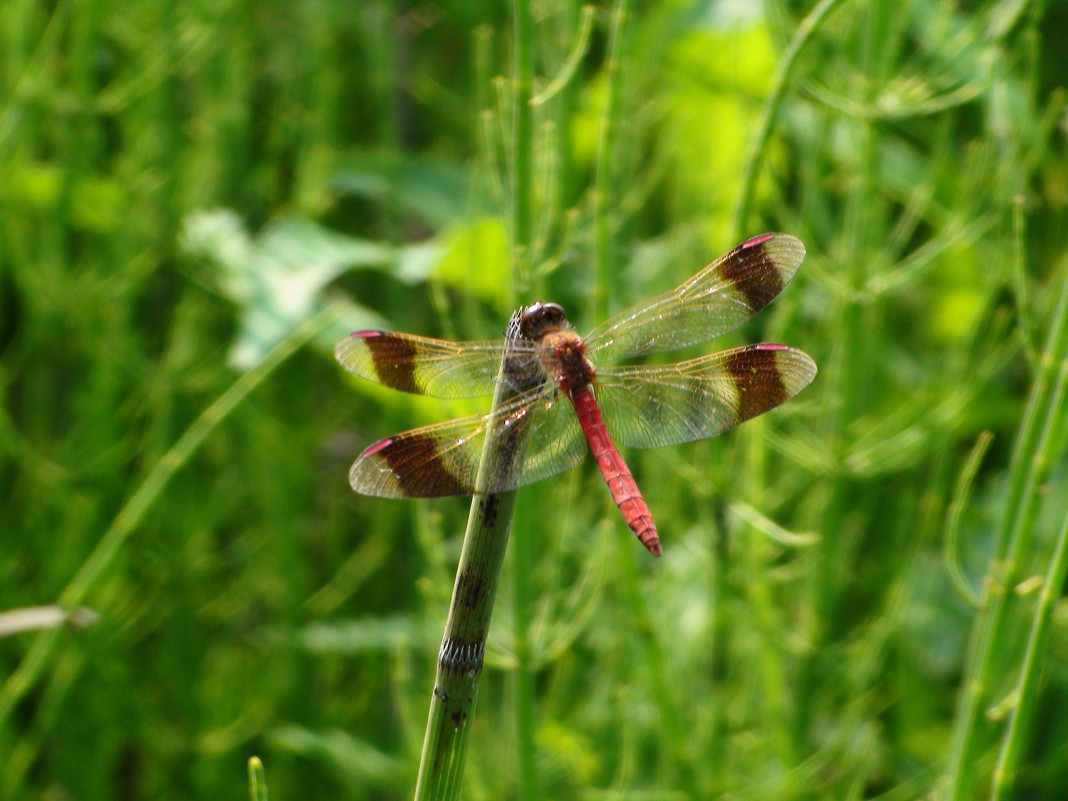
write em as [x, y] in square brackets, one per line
[574, 393]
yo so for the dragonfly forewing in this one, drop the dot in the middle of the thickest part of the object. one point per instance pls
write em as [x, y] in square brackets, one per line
[718, 299]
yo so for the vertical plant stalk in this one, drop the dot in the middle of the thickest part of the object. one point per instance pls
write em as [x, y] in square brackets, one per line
[951, 553]
[604, 183]
[1023, 712]
[773, 674]
[1031, 460]
[463, 645]
[522, 256]
[523, 143]
[758, 563]
[257, 780]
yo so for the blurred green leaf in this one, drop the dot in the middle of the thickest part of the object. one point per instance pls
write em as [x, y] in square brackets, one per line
[97, 204]
[358, 762]
[432, 188]
[38, 185]
[474, 259]
[356, 636]
[715, 76]
[277, 278]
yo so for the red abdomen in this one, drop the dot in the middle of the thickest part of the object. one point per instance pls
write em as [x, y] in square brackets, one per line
[616, 474]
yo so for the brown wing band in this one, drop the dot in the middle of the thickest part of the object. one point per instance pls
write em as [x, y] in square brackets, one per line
[755, 371]
[760, 286]
[394, 359]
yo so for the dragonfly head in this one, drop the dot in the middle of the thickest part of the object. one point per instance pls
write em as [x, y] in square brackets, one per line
[539, 319]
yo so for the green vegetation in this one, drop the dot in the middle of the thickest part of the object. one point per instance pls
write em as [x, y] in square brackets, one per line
[860, 594]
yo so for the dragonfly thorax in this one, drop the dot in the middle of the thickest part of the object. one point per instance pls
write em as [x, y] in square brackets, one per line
[561, 351]
[563, 355]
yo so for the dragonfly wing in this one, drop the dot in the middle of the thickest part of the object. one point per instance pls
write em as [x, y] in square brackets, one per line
[652, 407]
[718, 299]
[443, 459]
[556, 440]
[421, 365]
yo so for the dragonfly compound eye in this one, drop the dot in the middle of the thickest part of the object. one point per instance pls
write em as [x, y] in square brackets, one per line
[540, 317]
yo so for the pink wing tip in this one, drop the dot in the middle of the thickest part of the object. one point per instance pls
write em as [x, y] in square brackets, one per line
[771, 346]
[757, 240]
[381, 445]
[367, 334]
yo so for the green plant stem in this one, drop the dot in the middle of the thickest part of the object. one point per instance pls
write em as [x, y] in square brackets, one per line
[847, 375]
[603, 189]
[1027, 691]
[522, 250]
[523, 676]
[571, 63]
[808, 28]
[675, 737]
[257, 780]
[956, 508]
[463, 645]
[129, 517]
[758, 568]
[523, 143]
[16, 102]
[1031, 460]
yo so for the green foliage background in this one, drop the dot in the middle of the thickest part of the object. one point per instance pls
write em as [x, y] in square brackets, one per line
[189, 191]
